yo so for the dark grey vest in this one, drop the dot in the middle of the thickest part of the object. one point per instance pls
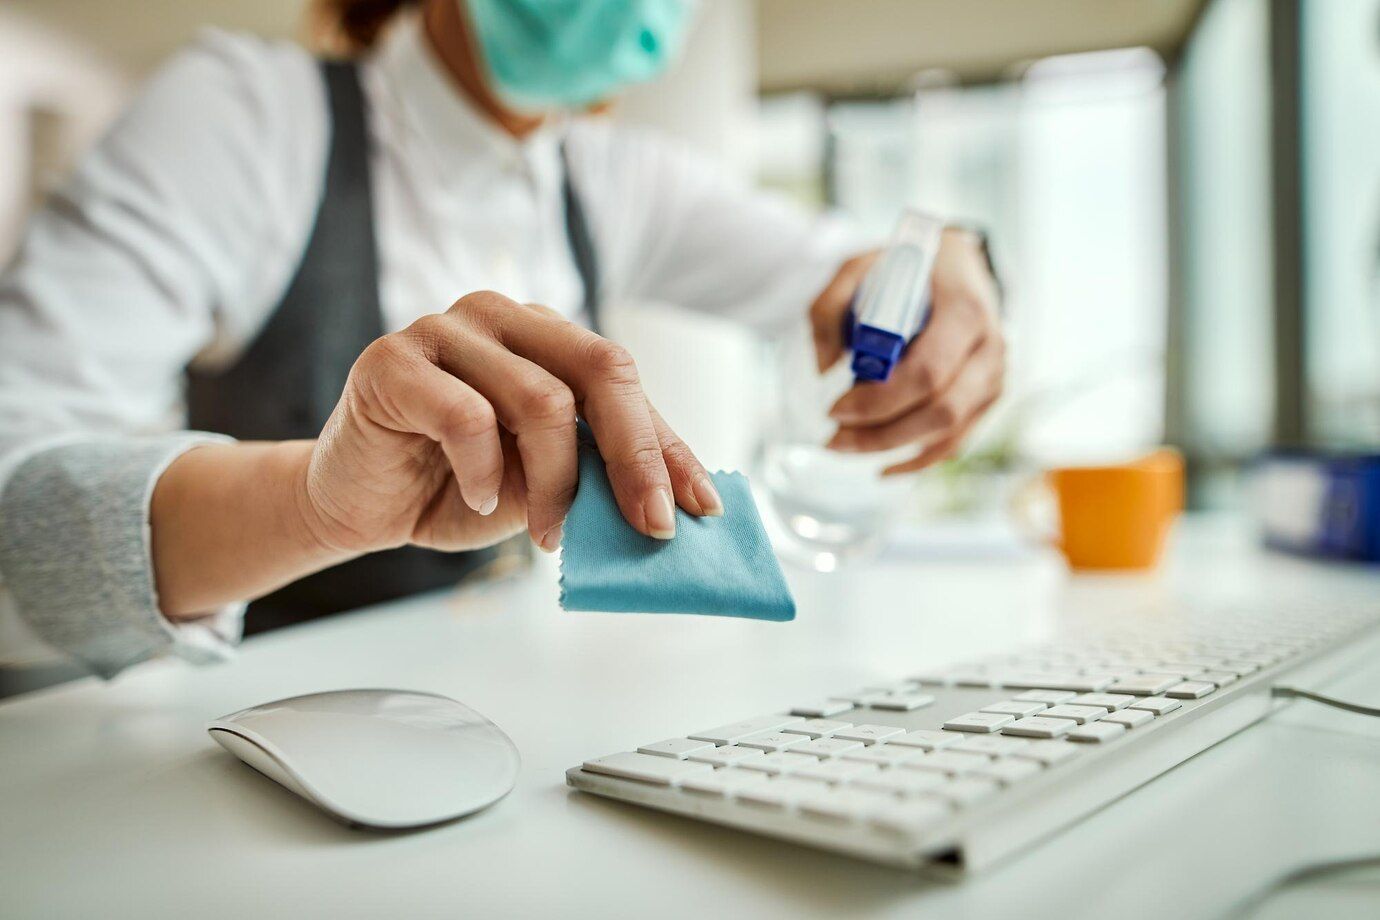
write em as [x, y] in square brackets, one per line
[287, 382]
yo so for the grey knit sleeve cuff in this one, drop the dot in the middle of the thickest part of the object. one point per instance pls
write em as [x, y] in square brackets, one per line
[76, 554]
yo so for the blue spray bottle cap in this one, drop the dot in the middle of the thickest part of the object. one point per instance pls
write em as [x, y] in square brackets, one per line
[893, 303]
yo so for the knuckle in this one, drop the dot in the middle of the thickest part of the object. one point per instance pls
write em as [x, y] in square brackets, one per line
[384, 352]
[428, 331]
[926, 376]
[681, 463]
[945, 413]
[470, 419]
[644, 461]
[551, 498]
[612, 362]
[479, 308]
[870, 401]
[547, 312]
[548, 403]
[476, 301]
[858, 264]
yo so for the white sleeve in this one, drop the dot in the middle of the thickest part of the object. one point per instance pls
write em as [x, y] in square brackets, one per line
[174, 239]
[672, 228]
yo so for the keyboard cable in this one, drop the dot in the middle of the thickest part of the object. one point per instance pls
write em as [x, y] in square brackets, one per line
[1312, 872]
[1316, 871]
[1294, 693]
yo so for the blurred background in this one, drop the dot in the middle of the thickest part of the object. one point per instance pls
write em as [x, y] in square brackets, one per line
[1183, 196]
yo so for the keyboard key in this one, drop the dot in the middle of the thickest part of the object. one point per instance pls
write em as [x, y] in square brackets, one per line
[780, 791]
[951, 762]
[1131, 718]
[1079, 714]
[816, 728]
[1239, 665]
[1108, 701]
[981, 722]
[903, 702]
[1144, 684]
[835, 771]
[901, 782]
[729, 734]
[911, 816]
[1048, 697]
[869, 734]
[967, 791]
[1220, 678]
[991, 745]
[721, 782]
[1017, 708]
[1190, 690]
[1039, 727]
[1048, 753]
[884, 755]
[857, 697]
[1081, 683]
[1200, 661]
[843, 804]
[900, 688]
[665, 771]
[1007, 771]
[926, 739]
[1180, 669]
[821, 709]
[771, 741]
[827, 747]
[679, 748]
[1158, 705]
[973, 678]
[778, 762]
[725, 756]
[1096, 732]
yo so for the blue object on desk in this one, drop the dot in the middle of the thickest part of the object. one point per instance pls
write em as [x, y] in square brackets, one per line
[721, 566]
[1320, 504]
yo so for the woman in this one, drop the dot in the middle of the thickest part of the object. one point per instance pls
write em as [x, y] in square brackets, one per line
[233, 364]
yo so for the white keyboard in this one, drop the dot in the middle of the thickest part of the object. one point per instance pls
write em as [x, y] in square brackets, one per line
[960, 767]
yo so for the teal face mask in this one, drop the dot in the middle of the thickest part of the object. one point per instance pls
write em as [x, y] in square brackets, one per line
[570, 53]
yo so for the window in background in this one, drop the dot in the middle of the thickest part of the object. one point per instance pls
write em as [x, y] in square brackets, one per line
[1223, 241]
[1065, 168]
[1341, 186]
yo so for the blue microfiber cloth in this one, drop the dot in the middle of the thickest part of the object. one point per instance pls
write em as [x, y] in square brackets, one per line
[722, 566]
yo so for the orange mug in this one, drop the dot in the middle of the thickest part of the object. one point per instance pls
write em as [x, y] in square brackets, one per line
[1118, 516]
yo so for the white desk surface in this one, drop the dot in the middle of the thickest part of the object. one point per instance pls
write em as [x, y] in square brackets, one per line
[115, 803]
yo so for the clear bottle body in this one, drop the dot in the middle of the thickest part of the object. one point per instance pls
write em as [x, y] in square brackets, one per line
[824, 507]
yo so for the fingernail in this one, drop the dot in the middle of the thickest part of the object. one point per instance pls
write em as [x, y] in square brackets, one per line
[708, 497]
[488, 507]
[661, 515]
[551, 540]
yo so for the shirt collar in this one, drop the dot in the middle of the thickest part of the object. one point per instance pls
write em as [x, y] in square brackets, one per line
[437, 111]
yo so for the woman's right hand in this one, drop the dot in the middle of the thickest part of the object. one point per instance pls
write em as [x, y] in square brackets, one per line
[459, 431]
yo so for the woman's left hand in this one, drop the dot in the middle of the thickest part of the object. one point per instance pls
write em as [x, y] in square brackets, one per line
[948, 376]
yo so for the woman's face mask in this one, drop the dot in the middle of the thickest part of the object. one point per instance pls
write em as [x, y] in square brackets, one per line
[570, 53]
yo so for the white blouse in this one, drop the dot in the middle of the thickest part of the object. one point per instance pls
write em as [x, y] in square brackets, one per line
[181, 230]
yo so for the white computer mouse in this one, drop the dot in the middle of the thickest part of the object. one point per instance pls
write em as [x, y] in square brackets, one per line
[384, 759]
